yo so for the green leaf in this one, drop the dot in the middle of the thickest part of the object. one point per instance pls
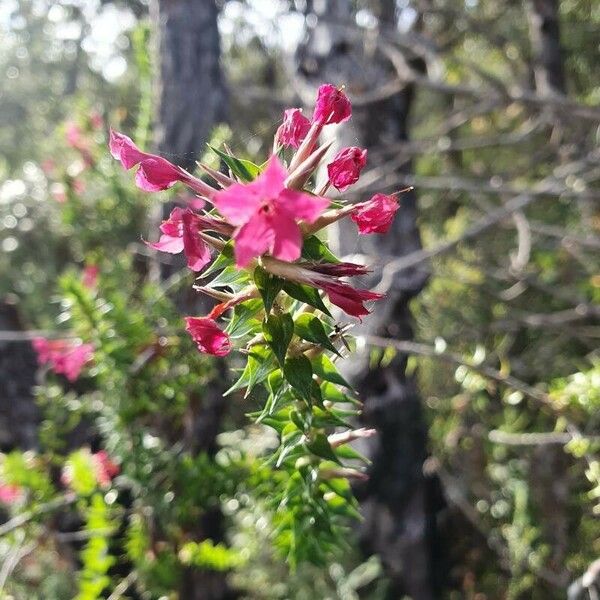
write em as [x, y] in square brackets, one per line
[310, 328]
[268, 285]
[243, 169]
[321, 447]
[332, 393]
[325, 369]
[244, 319]
[341, 487]
[315, 249]
[224, 259]
[260, 364]
[306, 294]
[349, 453]
[278, 331]
[230, 277]
[298, 372]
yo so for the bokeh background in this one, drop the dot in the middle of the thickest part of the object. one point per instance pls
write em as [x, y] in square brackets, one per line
[480, 370]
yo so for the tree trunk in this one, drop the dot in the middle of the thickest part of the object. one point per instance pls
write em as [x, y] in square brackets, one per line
[544, 32]
[398, 501]
[191, 101]
[19, 414]
[190, 87]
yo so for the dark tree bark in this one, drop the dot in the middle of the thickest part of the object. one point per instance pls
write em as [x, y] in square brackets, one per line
[544, 32]
[191, 89]
[398, 502]
[191, 100]
[19, 414]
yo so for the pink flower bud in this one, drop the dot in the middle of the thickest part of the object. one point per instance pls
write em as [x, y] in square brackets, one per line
[332, 106]
[207, 336]
[346, 166]
[376, 215]
[294, 128]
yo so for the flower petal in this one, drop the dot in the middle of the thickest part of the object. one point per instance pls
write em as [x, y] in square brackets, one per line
[253, 239]
[302, 206]
[122, 148]
[207, 335]
[287, 244]
[237, 203]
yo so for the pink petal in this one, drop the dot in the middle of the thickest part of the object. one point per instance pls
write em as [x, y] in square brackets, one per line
[156, 174]
[302, 206]
[271, 181]
[288, 239]
[122, 148]
[167, 243]
[253, 239]
[208, 337]
[196, 250]
[238, 203]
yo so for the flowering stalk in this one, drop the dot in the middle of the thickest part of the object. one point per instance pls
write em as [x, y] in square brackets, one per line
[275, 281]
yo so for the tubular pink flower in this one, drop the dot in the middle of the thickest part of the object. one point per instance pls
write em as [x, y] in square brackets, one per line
[265, 213]
[64, 357]
[155, 173]
[294, 128]
[180, 233]
[376, 215]
[332, 106]
[349, 299]
[344, 170]
[207, 336]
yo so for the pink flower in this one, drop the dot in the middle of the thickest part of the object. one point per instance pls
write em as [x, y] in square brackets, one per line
[265, 212]
[9, 493]
[376, 215]
[208, 337]
[64, 357]
[74, 136]
[332, 106]
[96, 120]
[90, 276]
[180, 233]
[106, 470]
[345, 168]
[349, 299]
[155, 173]
[294, 128]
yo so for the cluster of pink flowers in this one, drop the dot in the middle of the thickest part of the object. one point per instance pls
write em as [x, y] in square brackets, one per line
[65, 357]
[10, 493]
[269, 217]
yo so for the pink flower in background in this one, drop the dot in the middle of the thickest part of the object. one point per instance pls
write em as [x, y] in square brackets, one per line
[10, 493]
[208, 337]
[332, 106]
[345, 168]
[64, 356]
[180, 233]
[294, 128]
[78, 186]
[155, 173]
[96, 120]
[89, 276]
[58, 192]
[106, 469]
[74, 135]
[376, 215]
[265, 212]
